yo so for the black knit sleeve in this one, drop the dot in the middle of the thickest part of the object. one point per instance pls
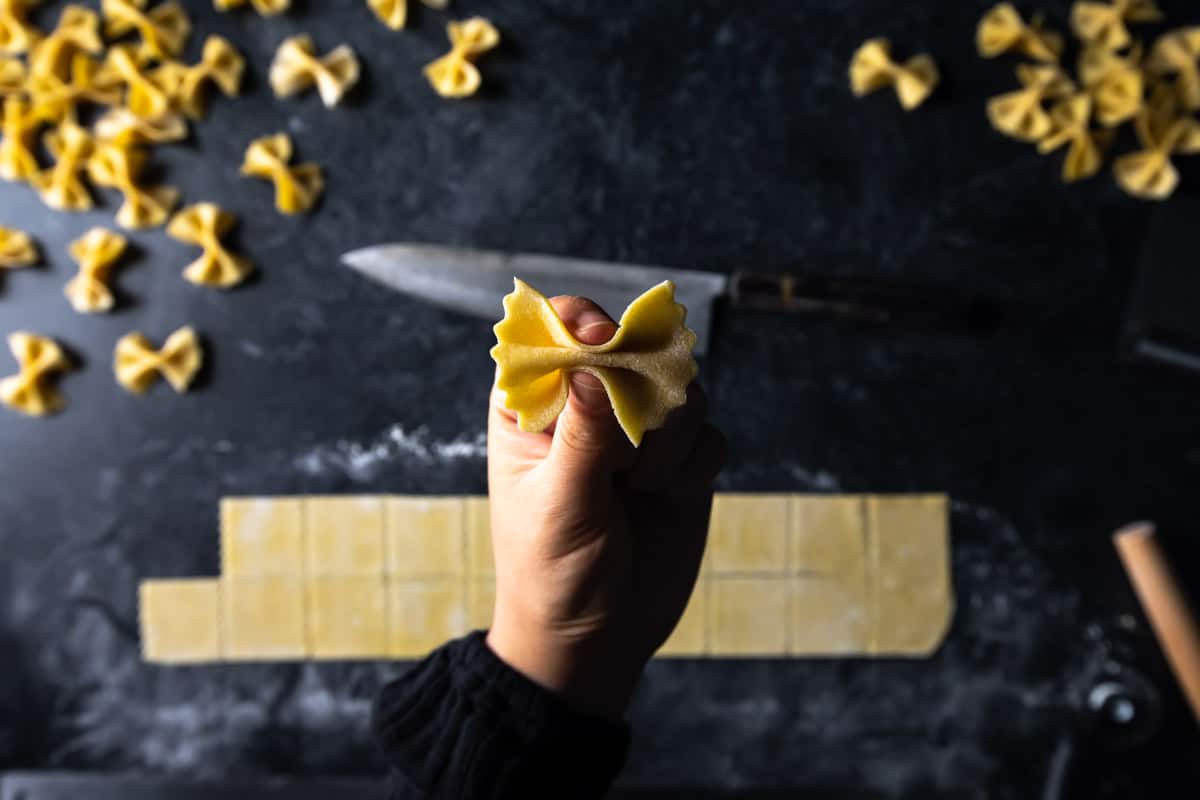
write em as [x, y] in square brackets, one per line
[464, 724]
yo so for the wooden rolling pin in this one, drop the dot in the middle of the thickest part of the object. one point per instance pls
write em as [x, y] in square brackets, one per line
[1164, 604]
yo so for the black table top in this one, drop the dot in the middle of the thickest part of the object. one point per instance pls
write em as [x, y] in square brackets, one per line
[685, 133]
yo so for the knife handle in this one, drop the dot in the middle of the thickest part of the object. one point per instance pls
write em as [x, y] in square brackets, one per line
[857, 299]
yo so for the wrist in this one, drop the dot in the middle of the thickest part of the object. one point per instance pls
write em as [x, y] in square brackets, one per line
[589, 674]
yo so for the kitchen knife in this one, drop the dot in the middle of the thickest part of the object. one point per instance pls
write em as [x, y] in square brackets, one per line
[474, 282]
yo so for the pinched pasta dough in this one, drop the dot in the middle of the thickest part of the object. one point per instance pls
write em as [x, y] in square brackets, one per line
[296, 67]
[872, 68]
[137, 364]
[203, 225]
[454, 75]
[95, 252]
[16, 248]
[29, 391]
[296, 187]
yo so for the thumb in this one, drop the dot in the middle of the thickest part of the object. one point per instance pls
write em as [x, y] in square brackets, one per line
[588, 442]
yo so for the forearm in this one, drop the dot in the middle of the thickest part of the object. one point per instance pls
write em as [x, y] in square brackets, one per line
[464, 724]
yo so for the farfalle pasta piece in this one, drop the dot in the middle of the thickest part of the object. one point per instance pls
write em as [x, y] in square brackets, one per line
[19, 126]
[95, 252]
[30, 391]
[146, 97]
[1177, 53]
[123, 127]
[55, 100]
[1104, 23]
[296, 187]
[1149, 173]
[1001, 30]
[163, 29]
[12, 76]
[1114, 81]
[267, 8]
[296, 67]
[1070, 119]
[137, 364]
[455, 75]
[645, 368]
[1020, 114]
[60, 185]
[204, 224]
[118, 167]
[78, 30]
[220, 63]
[872, 68]
[394, 13]
[17, 249]
[17, 33]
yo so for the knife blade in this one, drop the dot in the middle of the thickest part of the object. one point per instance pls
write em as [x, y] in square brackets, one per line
[475, 281]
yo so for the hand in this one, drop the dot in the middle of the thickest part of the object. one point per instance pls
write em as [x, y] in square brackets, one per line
[597, 544]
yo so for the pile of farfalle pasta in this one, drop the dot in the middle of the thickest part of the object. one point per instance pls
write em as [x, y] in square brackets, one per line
[83, 104]
[1120, 78]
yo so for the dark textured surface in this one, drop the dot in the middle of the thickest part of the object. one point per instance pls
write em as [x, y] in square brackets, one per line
[681, 132]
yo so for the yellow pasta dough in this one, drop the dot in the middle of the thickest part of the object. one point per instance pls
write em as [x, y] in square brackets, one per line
[1001, 30]
[95, 252]
[12, 76]
[1149, 173]
[267, 8]
[872, 68]
[454, 75]
[296, 67]
[163, 29]
[137, 364]
[61, 185]
[16, 248]
[55, 100]
[220, 63]
[29, 391]
[145, 96]
[645, 368]
[394, 13]
[78, 30]
[1020, 114]
[296, 187]
[1070, 119]
[1104, 23]
[122, 127]
[203, 225]
[19, 127]
[1114, 81]
[1176, 54]
[118, 167]
[17, 33]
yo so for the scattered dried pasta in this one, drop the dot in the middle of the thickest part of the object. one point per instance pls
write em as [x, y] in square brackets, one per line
[296, 67]
[645, 368]
[55, 100]
[267, 8]
[16, 248]
[204, 224]
[455, 75]
[118, 167]
[145, 96]
[60, 185]
[1149, 173]
[78, 30]
[1001, 30]
[1020, 114]
[122, 127]
[19, 127]
[163, 29]
[296, 187]
[1070, 119]
[29, 391]
[137, 364]
[95, 252]
[872, 68]
[1114, 81]
[394, 13]
[17, 33]
[1176, 53]
[1104, 24]
[220, 63]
